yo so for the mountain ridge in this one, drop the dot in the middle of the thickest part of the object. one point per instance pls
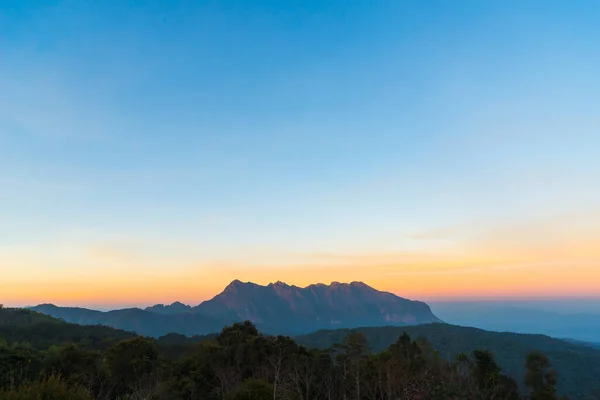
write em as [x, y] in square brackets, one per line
[275, 308]
[314, 306]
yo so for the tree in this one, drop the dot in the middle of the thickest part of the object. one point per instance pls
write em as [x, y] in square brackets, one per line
[77, 365]
[486, 371]
[280, 350]
[237, 333]
[356, 351]
[539, 378]
[134, 363]
[252, 389]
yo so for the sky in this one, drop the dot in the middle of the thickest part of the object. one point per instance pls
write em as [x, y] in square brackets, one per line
[153, 151]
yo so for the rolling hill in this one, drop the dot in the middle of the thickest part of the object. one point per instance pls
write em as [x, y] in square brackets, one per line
[134, 319]
[578, 365]
[42, 331]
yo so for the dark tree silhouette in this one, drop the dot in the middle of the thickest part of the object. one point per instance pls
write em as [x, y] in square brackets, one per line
[540, 379]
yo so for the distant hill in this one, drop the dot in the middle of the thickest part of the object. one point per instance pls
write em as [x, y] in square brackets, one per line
[27, 326]
[173, 309]
[593, 345]
[134, 319]
[579, 365]
[275, 308]
[520, 319]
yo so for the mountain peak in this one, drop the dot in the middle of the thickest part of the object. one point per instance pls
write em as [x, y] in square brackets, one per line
[237, 285]
[234, 284]
[45, 306]
[360, 285]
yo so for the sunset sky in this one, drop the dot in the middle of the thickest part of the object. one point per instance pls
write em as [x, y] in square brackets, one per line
[153, 151]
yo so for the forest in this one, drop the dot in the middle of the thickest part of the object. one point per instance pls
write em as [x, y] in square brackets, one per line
[42, 358]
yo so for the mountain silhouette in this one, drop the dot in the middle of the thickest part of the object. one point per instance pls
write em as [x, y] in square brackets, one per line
[318, 306]
[275, 308]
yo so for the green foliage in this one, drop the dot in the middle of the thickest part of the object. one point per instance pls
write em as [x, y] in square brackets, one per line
[78, 365]
[487, 372]
[578, 365]
[19, 364]
[134, 363]
[237, 333]
[252, 389]
[50, 389]
[539, 378]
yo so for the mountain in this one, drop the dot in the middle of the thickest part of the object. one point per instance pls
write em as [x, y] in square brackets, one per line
[274, 308]
[292, 309]
[521, 319]
[134, 319]
[578, 365]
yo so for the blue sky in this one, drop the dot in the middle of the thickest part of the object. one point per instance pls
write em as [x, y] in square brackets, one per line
[260, 133]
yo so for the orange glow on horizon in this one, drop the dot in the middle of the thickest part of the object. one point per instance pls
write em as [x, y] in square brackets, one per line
[507, 263]
[411, 279]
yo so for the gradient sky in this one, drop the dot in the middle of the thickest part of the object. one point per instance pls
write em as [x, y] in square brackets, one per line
[153, 151]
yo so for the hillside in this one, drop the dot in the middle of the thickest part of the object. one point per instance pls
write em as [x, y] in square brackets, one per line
[134, 319]
[42, 331]
[578, 365]
[238, 363]
[277, 308]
